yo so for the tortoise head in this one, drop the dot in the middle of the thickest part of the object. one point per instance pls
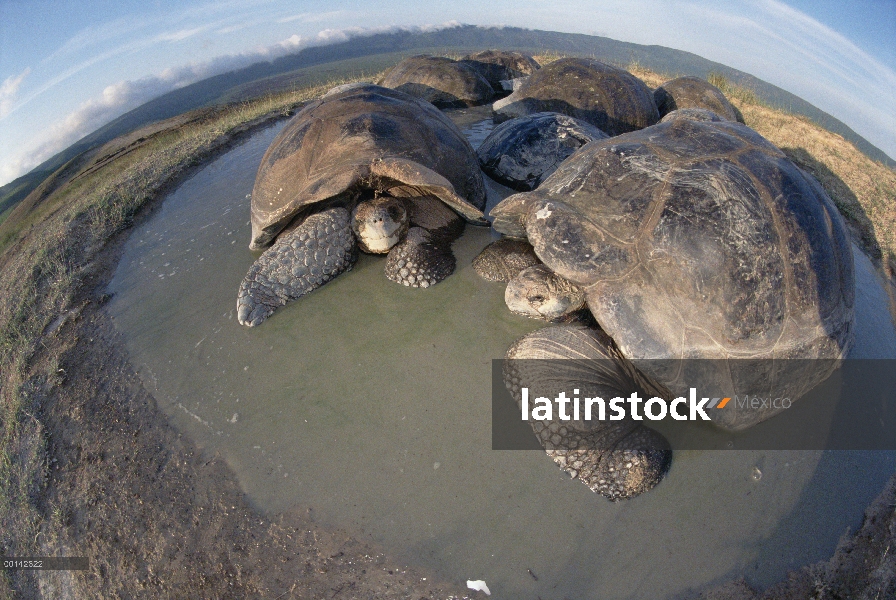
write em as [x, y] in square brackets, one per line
[379, 223]
[540, 293]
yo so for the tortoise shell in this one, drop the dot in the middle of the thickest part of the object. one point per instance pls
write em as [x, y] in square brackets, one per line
[444, 82]
[357, 138]
[693, 92]
[611, 99]
[696, 239]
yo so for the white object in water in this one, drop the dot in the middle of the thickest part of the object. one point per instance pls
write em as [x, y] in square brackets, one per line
[512, 85]
[479, 586]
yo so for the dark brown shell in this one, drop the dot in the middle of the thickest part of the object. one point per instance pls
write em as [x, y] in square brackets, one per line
[444, 82]
[695, 114]
[523, 152]
[498, 65]
[693, 92]
[695, 240]
[613, 100]
[363, 137]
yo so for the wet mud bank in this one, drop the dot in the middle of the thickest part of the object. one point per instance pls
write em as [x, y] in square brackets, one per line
[153, 513]
[368, 403]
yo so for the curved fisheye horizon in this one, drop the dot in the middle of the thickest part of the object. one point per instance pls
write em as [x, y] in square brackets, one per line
[526, 300]
[69, 71]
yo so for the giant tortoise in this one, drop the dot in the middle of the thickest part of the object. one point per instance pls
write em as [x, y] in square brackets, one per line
[445, 82]
[358, 167]
[501, 65]
[522, 152]
[692, 240]
[693, 92]
[611, 99]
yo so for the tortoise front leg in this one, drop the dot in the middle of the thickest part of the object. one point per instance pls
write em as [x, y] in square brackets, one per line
[617, 459]
[302, 259]
[420, 260]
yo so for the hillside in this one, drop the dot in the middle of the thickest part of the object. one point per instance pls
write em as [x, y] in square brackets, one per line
[362, 56]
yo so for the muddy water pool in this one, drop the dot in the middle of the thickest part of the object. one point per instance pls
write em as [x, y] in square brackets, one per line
[370, 404]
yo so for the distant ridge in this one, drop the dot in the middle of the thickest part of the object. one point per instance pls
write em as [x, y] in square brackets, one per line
[461, 39]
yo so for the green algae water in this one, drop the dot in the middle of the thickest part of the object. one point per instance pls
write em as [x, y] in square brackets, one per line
[370, 404]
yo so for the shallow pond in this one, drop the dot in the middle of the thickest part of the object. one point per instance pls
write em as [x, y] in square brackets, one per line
[370, 403]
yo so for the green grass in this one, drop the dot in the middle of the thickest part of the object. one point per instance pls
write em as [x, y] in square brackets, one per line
[367, 68]
[3, 216]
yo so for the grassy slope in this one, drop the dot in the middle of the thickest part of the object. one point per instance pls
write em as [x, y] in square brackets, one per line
[55, 190]
[864, 190]
[16, 191]
[40, 275]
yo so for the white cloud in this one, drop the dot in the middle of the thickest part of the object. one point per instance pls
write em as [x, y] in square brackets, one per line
[292, 18]
[97, 35]
[70, 72]
[115, 100]
[9, 89]
[795, 52]
[308, 17]
[16, 166]
[326, 16]
[126, 29]
[234, 28]
[123, 96]
[104, 32]
[176, 36]
[446, 25]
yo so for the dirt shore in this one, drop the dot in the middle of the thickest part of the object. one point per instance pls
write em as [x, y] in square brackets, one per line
[862, 568]
[156, 515]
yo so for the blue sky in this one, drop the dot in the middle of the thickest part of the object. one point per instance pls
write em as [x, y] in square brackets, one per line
[67, 68]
